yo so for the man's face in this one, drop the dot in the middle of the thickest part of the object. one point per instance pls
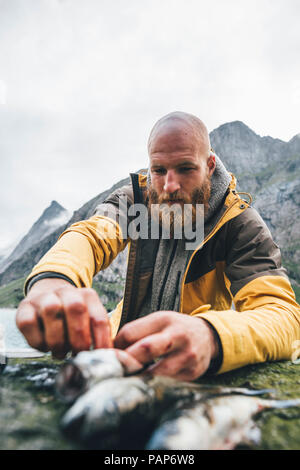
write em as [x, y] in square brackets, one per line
[180, 167]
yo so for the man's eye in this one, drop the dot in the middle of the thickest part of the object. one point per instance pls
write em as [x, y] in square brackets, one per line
[185, 169]
[159, 171]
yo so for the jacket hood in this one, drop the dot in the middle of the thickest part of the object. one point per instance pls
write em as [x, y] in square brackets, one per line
[220, 182]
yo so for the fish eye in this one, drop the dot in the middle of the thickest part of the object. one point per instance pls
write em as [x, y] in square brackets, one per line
[95, 361]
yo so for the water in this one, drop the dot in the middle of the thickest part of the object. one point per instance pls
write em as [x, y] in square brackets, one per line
[12, 342]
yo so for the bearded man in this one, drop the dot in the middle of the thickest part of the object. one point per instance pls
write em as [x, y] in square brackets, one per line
[176, 315]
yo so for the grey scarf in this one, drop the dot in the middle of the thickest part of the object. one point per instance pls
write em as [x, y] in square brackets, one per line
[172, 257]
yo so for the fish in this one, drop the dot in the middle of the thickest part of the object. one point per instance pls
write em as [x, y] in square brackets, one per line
[81, 373]
[112, 410]
[219, 423]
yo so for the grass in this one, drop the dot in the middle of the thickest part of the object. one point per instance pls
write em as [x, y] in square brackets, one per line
[11, 294]
[109, 292]
[293, 269]
[297, 293]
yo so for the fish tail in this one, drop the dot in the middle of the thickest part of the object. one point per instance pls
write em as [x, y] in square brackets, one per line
[263, 391]
[281, 404]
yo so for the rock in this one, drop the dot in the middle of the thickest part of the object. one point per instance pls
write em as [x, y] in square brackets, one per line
[29, 411]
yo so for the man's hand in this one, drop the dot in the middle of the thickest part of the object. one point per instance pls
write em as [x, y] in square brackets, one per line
[56, 316]
[185, 345]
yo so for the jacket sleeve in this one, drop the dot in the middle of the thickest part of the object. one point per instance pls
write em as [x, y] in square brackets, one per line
[89, 245]
[266, 320]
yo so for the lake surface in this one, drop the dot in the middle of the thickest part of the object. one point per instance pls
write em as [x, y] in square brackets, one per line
[12, 342]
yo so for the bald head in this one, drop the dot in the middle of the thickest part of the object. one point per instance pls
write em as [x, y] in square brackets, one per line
[179, 131]
[180, 158]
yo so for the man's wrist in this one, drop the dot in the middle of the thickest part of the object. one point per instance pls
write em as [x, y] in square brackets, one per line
[46, 275]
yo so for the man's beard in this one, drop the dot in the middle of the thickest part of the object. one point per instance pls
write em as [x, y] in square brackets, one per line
[174, 218]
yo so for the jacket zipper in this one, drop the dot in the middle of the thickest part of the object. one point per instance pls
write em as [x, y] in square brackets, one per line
[212, 232]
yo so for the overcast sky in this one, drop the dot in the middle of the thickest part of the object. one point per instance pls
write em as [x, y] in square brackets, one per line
[83, 81]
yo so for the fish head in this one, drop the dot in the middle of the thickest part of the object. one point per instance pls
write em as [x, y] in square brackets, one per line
[88, 368]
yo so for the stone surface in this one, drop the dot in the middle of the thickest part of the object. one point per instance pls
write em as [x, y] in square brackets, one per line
[30, 412]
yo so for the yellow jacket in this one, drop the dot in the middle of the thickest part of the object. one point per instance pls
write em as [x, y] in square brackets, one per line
[238, 264]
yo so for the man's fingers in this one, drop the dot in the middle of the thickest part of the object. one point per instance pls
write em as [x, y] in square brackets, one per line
[178, 364]
[130, 364]
[64, 319]
[77, 319]
[51, 312]
[152, 347]
[30, 326]
[99, 321]
[134, 331]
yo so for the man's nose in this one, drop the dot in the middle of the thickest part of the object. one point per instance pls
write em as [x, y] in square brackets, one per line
[171, 182]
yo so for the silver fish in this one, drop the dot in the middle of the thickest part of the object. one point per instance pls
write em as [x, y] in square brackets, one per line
[115, 411]
[219, 423]
[88, 368]
[123, 412]
[85, 370]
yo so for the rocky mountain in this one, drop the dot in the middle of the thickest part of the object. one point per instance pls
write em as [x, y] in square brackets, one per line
[267, 168]
[53, 217]
[21, 266]
[5, 251]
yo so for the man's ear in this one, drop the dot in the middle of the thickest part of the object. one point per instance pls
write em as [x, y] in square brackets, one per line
[211, 163]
